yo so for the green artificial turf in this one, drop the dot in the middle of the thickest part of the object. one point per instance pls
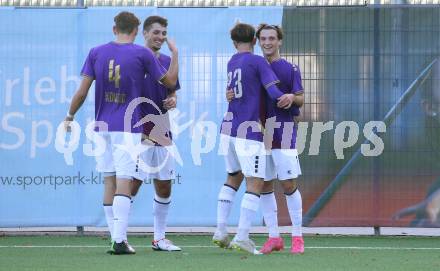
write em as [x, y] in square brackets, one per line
[88, 253]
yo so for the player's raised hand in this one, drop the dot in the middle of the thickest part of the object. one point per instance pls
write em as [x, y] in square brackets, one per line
[171, 45]
[285, 101]
[230, 95]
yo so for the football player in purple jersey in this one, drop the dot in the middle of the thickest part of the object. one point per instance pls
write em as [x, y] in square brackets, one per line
[283, 163]
[280, 139]
[241, 135]
[118, 69]
[158, 157]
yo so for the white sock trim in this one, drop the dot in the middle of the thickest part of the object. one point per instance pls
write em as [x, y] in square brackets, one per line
[162, 200]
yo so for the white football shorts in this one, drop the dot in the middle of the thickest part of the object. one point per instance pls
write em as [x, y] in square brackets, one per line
[114, 153]
[282, 164]
[246, 155]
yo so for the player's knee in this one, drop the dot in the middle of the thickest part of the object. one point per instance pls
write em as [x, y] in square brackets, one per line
[289, 187]
[123, 189]
[110, 183]
[254, 186]
[234, 173]
[267, 188]
[234, 179]
[136, 184]
[163, 191]
[108, 198]
[134, 191]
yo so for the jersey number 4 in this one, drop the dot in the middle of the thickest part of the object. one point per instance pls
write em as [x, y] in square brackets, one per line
[114, 74]
[236, 78]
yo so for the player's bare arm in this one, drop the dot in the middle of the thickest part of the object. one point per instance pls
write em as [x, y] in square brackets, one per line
[298, 99]
[78, 99]
[170, 78]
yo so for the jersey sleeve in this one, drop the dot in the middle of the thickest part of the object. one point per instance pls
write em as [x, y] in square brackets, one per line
[87, 69]
[267, 76]
[297, 87]
[268, 79]
[152, 65]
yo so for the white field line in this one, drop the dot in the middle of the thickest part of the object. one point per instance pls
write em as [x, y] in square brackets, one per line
[203, 246]
[386, 231]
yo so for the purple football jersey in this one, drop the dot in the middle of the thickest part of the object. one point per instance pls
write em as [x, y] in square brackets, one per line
[157, 92]
[119, 72]
[290, 82]
[249, 76]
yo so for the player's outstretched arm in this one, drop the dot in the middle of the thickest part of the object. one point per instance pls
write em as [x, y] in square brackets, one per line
[170, 78]
[274, 92]
[268, 79]
[79, 98]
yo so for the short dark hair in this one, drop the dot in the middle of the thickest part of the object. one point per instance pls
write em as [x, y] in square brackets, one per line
[126, 22]
[264, 26]
[243, 33]
[154, 19]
